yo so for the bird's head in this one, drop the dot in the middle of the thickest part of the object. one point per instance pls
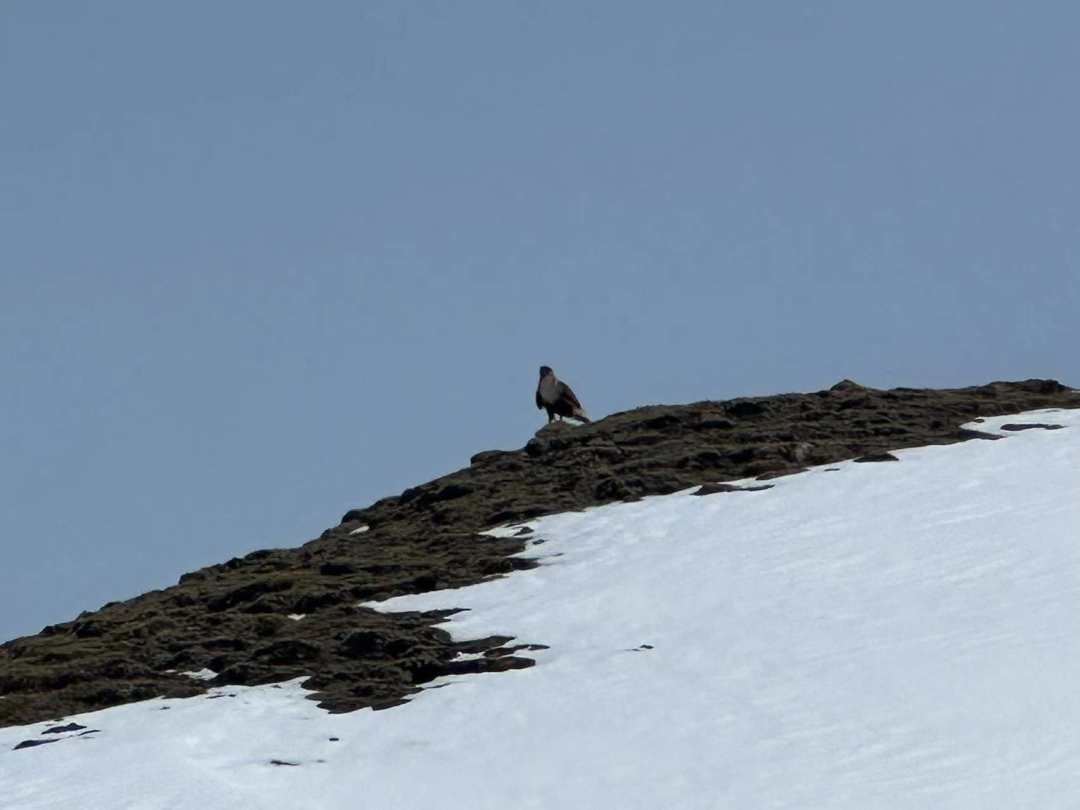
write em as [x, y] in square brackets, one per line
[544, 371]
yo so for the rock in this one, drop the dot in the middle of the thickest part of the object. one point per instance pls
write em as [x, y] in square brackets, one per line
[247, 593]
[1041, 386]
[448, 492]
[489, 456]
[742, 408]
[363, 644]
[1017, 426]
[611, 489]
[742, 456]
[967, 433]
[716, 424]
[554, 428]
[800, 452]
[87, 629]
[662, 422]
[336, 568]
[288, 651]
[846, 385]
[713, 489]
[870, 457]
[62, 729]
[780, 473]
[703, 459]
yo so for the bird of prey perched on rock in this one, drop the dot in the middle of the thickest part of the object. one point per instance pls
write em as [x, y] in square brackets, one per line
[557, 398]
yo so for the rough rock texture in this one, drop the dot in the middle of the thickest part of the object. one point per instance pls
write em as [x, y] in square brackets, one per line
[234, 618]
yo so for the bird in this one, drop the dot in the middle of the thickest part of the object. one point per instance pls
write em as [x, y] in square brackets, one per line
[557, 398]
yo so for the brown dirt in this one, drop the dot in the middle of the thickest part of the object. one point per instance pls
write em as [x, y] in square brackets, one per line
[233, 618]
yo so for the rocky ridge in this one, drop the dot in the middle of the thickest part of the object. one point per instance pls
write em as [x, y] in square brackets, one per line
[281, 613]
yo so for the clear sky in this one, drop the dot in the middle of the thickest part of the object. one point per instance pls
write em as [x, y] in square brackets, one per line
[261, 262]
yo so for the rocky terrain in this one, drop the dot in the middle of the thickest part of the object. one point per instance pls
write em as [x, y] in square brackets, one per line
[280, 613]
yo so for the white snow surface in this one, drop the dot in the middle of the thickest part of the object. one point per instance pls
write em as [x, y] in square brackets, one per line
[201, 675]
[899, 635]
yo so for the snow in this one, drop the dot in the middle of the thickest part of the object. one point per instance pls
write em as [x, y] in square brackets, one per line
[201, 675]
[885, 635]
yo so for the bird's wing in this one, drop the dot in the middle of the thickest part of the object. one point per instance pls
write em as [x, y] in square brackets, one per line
[565, 392]
[539, 402]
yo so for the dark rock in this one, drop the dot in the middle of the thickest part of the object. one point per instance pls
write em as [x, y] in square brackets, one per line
[363, 644]
[1037, 386]
[336, 568]
[499, 652]
[847, 385]
[800, 453]
[397, 647]
[661, 422]
[313, 601]
[288, 651]
[869, 457]
[247, 593]
[769, 476]
[87, 629]
[742, 408]
[1017, 426]
[490, 456]
[742, 455]
[266, 626]
[964, 434]
[507, 663]
[611, 489]
[703, 459]
[451, 492]
[713, 489]
[62, 729]
[716, 424]
[224, 644]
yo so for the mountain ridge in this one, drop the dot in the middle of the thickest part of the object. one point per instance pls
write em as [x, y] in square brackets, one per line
[237, 618]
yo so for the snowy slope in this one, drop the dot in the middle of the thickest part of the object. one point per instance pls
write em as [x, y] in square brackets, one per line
[879, 635]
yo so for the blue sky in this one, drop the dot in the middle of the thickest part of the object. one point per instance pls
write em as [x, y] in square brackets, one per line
[264, 262]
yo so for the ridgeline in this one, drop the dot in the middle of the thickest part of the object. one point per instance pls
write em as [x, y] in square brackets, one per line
[235, 618]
